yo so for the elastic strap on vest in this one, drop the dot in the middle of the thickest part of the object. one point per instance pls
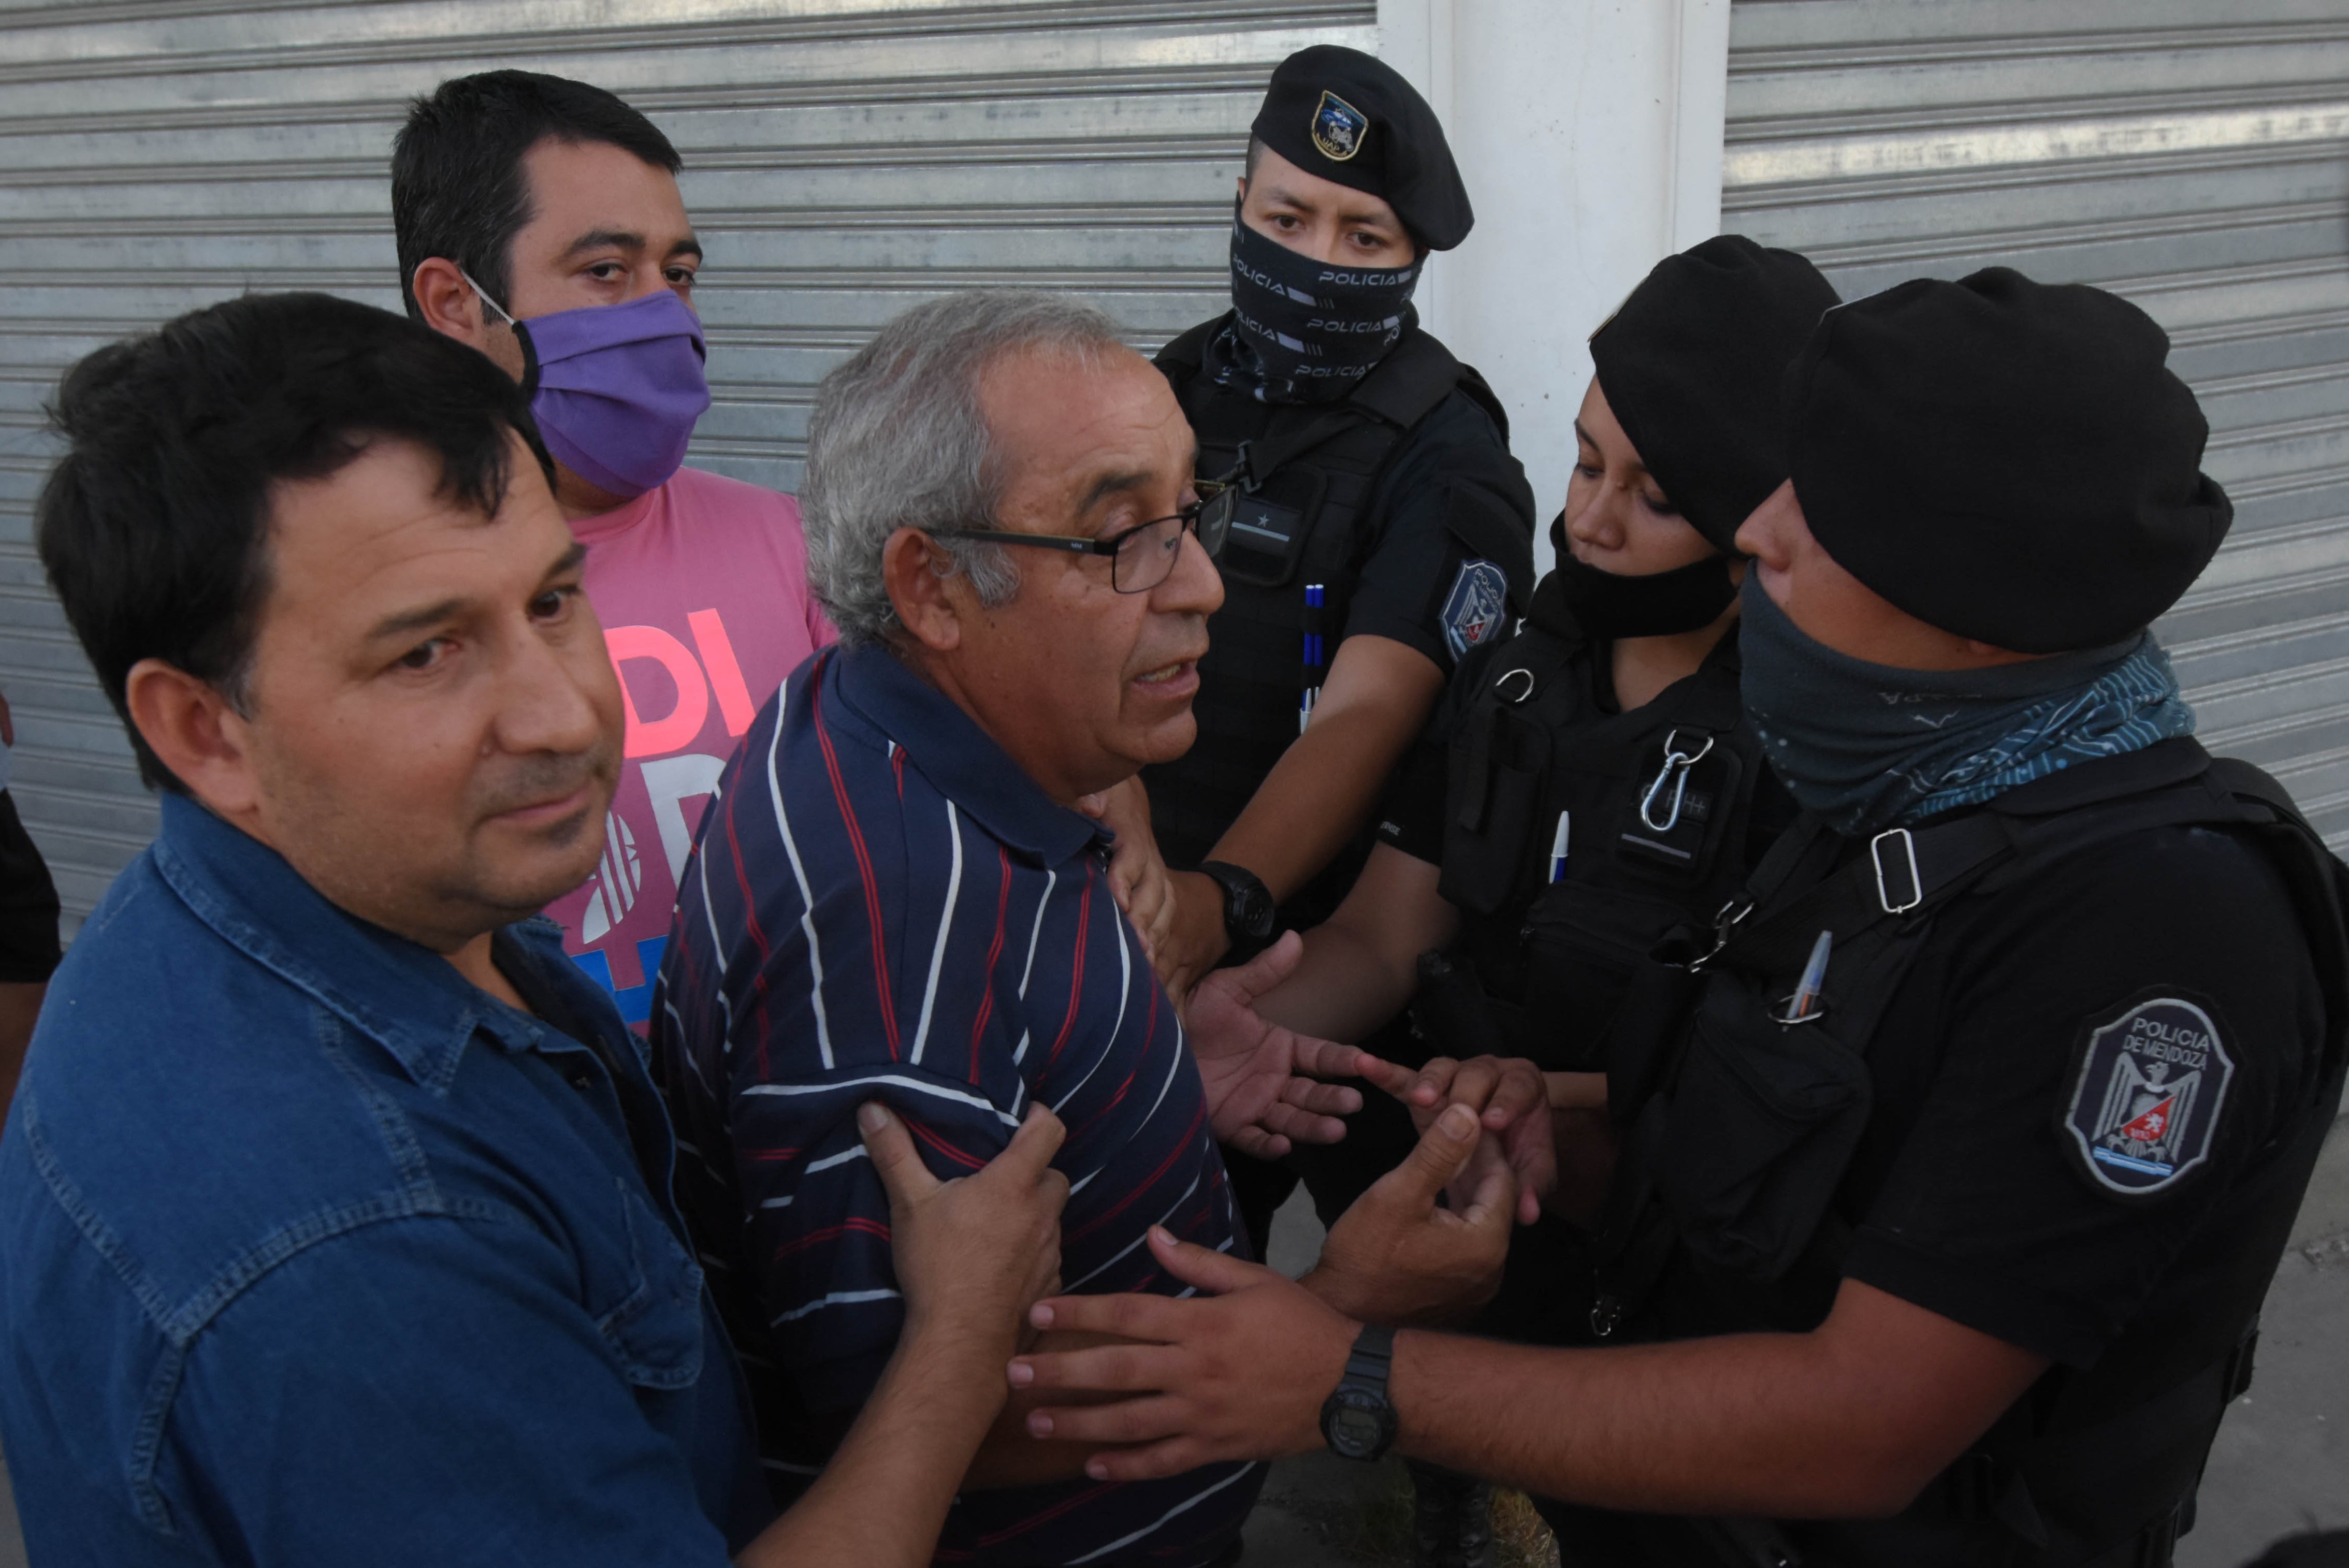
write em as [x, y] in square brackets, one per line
[1907, 871]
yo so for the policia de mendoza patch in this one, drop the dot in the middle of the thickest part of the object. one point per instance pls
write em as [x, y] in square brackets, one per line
[2147, 1095]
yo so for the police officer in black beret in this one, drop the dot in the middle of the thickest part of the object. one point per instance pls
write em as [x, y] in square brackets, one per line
[1592, 781]
[1941, 1177]
[1588, 782]
[1381, 529]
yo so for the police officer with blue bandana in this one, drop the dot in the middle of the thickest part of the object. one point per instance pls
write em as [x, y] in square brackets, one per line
[1941, 1175]
[2028, 1033]
[1379, 528]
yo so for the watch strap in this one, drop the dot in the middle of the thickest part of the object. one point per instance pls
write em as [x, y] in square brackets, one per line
[1371, 1359]
[1240, 884]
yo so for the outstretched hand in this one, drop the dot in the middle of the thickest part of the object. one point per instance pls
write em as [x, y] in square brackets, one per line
[1259, 1091]
[1395, 1257]
[1510, 1099]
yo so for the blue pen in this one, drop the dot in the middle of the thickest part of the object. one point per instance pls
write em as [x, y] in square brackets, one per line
[1312, 683]
[1815, 973]
[1557, 849]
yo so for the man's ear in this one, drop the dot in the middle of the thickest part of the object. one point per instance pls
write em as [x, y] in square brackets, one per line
[450, 305]
[192, 730]
[925, 606]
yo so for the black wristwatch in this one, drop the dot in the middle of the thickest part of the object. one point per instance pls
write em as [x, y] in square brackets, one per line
[1250, 917]
[1357, 1421]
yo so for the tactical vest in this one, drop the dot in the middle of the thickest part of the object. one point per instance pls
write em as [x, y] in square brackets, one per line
[1651, 808]
[1738, 1123]
[1309, 474]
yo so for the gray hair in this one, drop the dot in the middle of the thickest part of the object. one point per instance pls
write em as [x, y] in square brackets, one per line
[898, 439]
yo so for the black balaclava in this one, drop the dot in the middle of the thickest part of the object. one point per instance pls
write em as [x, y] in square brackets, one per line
[1693, 365]
[1304, 331]
[2009, 460]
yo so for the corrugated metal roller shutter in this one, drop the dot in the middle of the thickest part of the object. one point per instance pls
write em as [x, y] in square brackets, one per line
[2185, 154]
[844, 159]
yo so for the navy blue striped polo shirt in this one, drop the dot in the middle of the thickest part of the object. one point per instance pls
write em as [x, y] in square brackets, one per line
[882, 905]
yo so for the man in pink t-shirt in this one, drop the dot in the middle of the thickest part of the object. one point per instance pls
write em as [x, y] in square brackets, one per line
[701, 584]
[539, 219]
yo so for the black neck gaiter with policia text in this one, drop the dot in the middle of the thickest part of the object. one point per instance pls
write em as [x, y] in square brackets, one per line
[1304, 331]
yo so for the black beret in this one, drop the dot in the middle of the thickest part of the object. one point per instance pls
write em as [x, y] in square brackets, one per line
[2009, 460]
[1344, 116]
[1693, 365]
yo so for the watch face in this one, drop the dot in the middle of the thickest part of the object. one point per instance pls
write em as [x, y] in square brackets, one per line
[1358, 1424]
[1249, 913]
[1255, 913]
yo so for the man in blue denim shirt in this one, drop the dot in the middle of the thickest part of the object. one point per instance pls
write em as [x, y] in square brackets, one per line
[335, 1212]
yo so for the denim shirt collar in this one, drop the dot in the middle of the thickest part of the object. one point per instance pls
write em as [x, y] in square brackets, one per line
[407, 998]
[958, 758]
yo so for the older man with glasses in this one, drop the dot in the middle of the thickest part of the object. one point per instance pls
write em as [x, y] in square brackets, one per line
[896, 898]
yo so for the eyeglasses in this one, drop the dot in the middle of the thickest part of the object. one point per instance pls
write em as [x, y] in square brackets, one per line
[1142, 556]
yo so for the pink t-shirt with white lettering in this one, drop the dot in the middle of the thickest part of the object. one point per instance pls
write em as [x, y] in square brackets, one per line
[701, 585]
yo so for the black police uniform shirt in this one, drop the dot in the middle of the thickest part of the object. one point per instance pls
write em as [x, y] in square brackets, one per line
[1452, 477]
[1415, 551]
[1974, 1197]
[1969, 1195]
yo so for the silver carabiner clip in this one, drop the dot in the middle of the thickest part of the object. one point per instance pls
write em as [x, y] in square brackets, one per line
[1675, 773]
[1730, 916]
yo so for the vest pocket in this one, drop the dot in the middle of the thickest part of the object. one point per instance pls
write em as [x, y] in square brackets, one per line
[1583, 943]
[1498, 766]
[1270, 526]
[1759, 1130]
[656, 1331]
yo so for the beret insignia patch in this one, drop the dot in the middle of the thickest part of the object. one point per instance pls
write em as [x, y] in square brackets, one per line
[1337, 128]
[1476, 607]
[2146, 1095]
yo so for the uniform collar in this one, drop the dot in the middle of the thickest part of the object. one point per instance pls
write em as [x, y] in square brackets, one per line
[955, 756]
[409, 999]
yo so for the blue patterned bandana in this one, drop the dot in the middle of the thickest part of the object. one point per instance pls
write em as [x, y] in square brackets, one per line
[1868, 745]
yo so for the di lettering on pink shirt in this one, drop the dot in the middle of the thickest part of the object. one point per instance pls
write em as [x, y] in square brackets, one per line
[701, 584]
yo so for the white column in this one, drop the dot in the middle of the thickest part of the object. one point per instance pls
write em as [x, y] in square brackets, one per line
[1590, 133]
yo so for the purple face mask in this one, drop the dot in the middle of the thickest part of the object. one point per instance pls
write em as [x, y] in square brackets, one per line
[615, 388]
